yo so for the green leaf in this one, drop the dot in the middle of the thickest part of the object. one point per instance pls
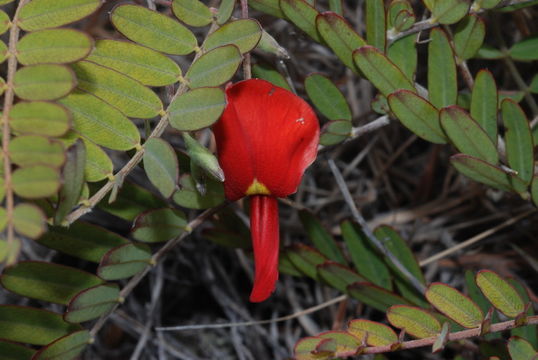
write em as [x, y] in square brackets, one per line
[303, 15]
[533, 87]
[197, 109]
[67, 347]
[375, 296]
[525, 50]
[442, 76]
[159, 225]
[43, 14]
[376, 334]
[127, 95]
[403, 54]
[305, 259]
[190, 198]
[335, 132]
[35, 182]
[266, 72]
[455, 305]
[38, 117]
[3, 52]
[314, 348]
[29, 220]
[13, 351]
[215, 67]
[152, 29]
[31, 150]
[100, 122]
[489, 52]
[476, 295]
[192, 12]
[518, 139]
[346, 344]
[161, 166]
[53, 46]
[376, 24]
[226, 10]
[467, 136]
[269, 45]
[5, 21]
[46, 281]
[392, 241]
[469, 36]
[339, 36]
[73, 181]
[500, 293]
[43, 82]
[244, 33]
[327, 97]
[124, 261]
[366, 260]
[131, 201]
[484, 103]
[92, 303]
[98, 163]
[415, 321]
[82, 240]
[202, 157]
[270, 7]
[418, 115]
[382, 72]
[486, 173]
[32, 326]
[147, 66]
[449, 11]
[400, 16]
[521, 349]
[322, 239]
[338, 276]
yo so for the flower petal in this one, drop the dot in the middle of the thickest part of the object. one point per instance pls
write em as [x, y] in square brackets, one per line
[265, 240]
[266, 134]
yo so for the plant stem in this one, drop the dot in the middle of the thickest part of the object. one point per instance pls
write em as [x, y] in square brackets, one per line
[6, 131]
[464, 334]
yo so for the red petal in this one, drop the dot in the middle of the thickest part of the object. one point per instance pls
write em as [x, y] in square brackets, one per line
[265, 240]
[265, 133]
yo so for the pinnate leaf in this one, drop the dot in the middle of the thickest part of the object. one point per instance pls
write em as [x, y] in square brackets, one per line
[192, 12]
[215, 67]
[40, 118]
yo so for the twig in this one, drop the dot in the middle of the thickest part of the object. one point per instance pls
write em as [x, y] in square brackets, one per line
[464, 334]
[430, 23]
[366, 230]
[475, 239]
[253, 323]
[133, 282]
[6, 131]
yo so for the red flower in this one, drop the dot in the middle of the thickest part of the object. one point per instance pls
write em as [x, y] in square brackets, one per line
[266, 138]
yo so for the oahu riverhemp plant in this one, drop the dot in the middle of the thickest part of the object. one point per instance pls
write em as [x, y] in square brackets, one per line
[109, 111]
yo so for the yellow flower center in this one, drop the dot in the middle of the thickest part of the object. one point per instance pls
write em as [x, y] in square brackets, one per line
[257, 188]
